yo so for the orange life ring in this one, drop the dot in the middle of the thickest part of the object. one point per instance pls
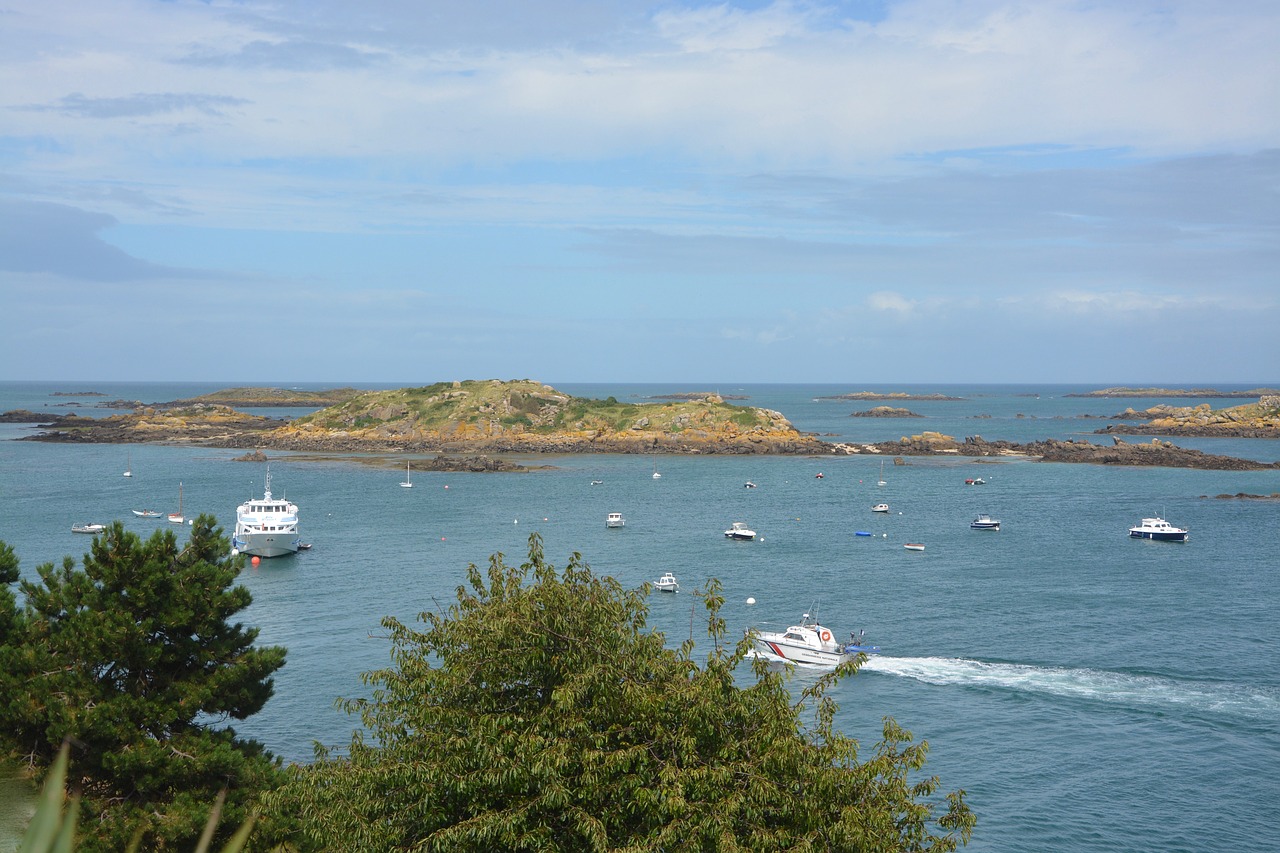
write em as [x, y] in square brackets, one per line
[826, 636]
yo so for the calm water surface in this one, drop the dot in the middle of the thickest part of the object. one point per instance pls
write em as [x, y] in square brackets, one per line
[1090, 692]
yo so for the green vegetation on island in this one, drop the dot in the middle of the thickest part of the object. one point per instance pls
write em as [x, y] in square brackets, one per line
[573, 726]
[528, 416]
[261, 398]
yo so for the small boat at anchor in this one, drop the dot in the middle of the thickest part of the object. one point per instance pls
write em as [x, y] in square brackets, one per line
[615, 519]
[178, 517]
[914, 546]
[667, 583]
[739, 531]
[92, 528]
[985, 522]
[1159, 530]
[147, 513]
[880, 508]
[408, 481]
[975, 481]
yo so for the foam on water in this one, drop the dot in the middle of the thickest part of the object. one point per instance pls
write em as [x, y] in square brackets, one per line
[1130, 690]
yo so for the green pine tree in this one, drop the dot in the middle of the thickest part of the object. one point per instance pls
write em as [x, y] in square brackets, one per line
[133, 660]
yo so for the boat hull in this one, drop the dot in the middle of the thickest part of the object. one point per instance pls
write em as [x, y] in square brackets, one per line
[799, 654]
[1159, 536]
[266, 544]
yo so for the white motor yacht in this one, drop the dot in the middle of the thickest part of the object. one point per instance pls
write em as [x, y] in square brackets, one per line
[266, 527]
[1159, 529]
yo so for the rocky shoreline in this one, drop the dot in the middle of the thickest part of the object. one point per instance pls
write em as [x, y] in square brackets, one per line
[1155, 454]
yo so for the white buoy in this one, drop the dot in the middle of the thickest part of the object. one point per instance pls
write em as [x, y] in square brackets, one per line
[751, 600]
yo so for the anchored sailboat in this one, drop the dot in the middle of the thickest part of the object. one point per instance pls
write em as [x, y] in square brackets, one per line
[178, 517]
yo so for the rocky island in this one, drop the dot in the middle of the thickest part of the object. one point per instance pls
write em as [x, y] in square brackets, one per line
[472, 417]
[886, 412]
[1251, 420]
[263, 398]
[1175, 392]
[895, 395]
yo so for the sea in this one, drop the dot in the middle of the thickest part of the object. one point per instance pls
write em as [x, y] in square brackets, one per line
[1090, 692]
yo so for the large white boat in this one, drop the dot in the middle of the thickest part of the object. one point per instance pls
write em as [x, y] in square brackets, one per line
[738, 530]
[809, 643]
[266, 527]
[1158, 528]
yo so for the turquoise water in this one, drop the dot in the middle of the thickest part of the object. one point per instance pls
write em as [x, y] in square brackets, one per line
[1090, 692]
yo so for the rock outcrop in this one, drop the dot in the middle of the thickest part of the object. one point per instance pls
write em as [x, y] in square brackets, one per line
[1156, 453]
[886, 412]
[1252, 420]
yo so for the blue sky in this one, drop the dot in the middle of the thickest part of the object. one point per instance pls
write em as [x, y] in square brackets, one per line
[620, 190]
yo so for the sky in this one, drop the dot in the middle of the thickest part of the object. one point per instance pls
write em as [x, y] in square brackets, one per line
[412, 191]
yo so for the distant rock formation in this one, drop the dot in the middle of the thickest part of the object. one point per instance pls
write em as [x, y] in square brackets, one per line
[886, 412]
[1252, 420]
[894, 396]
[1175, 392]
[1157, 453]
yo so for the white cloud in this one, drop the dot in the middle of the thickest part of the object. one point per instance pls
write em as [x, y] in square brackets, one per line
[885, 300]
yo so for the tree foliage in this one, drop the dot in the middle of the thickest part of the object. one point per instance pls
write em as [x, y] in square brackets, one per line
[133, 661]
[539, 713]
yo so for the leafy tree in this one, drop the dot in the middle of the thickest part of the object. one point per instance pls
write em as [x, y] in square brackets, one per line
[538, 713]
[132, 660]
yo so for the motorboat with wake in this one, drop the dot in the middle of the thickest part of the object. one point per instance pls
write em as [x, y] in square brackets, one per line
[1159, 529]
[266, 527]
[810, 643]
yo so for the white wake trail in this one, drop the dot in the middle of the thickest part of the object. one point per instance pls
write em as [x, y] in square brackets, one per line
[1089, 684]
